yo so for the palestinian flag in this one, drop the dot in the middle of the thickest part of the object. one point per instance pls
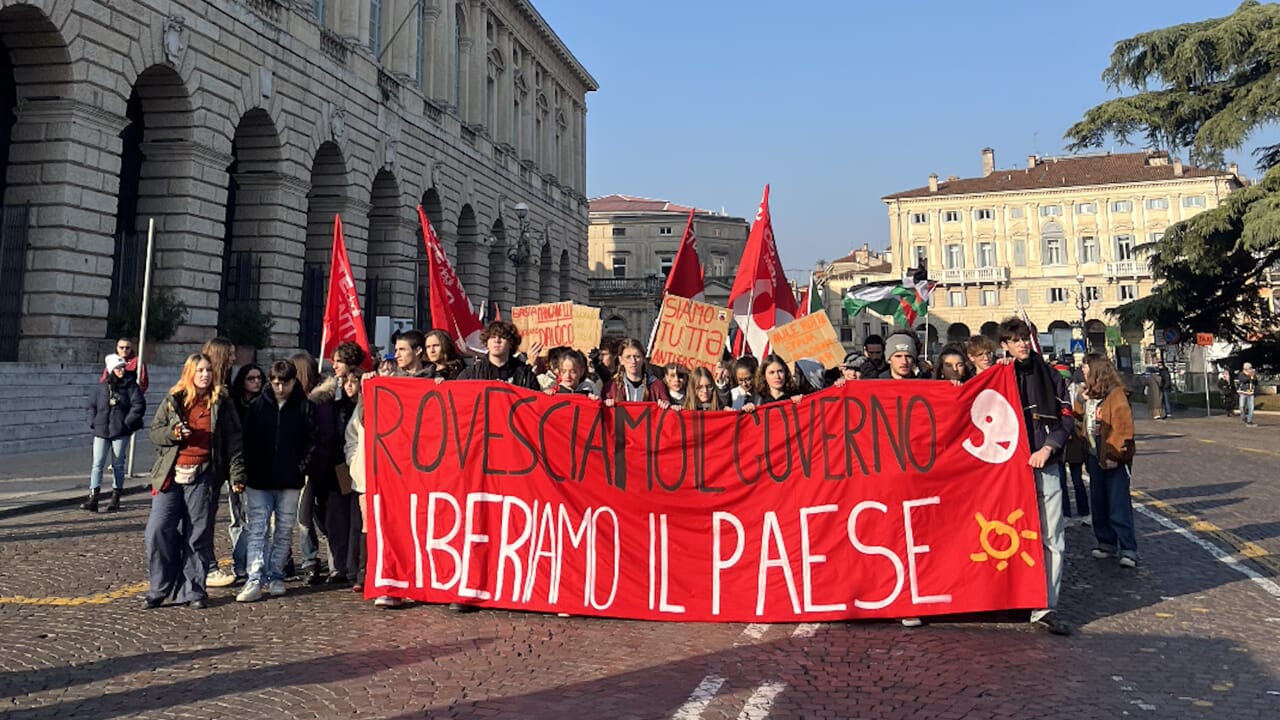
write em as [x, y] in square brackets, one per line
[811, 298]
[903, 303]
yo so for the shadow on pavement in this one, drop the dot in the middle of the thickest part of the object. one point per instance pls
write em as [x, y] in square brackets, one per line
[1198, 490]
[15, 683]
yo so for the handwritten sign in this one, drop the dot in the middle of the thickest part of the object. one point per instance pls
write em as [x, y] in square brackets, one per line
[691, 333]
[549, 323]
[586, 327]
[809, 337]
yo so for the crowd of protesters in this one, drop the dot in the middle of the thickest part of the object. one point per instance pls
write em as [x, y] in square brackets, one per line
[284, 444]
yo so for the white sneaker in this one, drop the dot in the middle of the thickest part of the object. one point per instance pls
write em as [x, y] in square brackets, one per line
[1086, 521]
[1128, 562]
[1101, 553]
[912, 622]
[275, 588]
[219, 578]
[252, 592]
[386, 601]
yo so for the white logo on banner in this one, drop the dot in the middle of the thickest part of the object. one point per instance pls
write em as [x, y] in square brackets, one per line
[998, 423]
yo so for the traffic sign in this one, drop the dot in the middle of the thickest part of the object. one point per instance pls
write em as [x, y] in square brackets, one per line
[1077, 346]
[1204, 339]
[1171, 336]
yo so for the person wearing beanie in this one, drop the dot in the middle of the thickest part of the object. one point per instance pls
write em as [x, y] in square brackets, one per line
[116, 407]
[901, 350]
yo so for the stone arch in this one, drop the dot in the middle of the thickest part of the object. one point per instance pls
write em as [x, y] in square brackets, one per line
[1095, 335]
[253, 224]
[500, 289]
[35, 68]
[991, 329]
[547, 290]
[615, 327]
[958, 332]
[328, 196]
[566, 273]
[473, 263]
[166, 176]
[434, 210]
[390, 261]
[1060, 332]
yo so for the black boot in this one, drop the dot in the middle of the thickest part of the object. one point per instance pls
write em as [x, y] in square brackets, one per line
[114, 505]
[92, 503]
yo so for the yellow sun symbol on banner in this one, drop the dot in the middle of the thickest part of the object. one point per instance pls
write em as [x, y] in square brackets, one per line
[998, 528]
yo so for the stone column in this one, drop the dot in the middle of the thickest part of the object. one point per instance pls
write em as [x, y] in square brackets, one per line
[503, 121]
[477, 57]
[64, 160]
[270, 221]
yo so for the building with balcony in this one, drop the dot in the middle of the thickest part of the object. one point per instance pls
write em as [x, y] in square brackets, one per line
[1052, 236]
[243, 126]
[836, 278]
[631, 243]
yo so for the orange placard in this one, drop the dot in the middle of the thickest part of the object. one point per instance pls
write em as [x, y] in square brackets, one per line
[1204, 339]
[691, 333]
[549, 323]
[812, 337]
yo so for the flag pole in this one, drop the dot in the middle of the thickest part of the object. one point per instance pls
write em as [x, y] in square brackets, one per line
[142, 324]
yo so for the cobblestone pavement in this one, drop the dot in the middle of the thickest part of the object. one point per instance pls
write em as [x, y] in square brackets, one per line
[1186, 635]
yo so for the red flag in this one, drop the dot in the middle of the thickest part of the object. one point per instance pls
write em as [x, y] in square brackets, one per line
[803, 303]
[343, 320]
[685, 278]
[497, 312]
[450, 308]
[761, 298]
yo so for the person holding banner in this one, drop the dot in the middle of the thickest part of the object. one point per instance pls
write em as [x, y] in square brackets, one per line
[953, 365]
[1047, 411]
[982, 353]
[902, 350]
[744, 374]
[774, 384]
[851, 368]
[573, 375]
[501, 339]
[873, 350]
[705, 395]
[676, 378]
[411, 355]
[633, 383]
[442, 361]
[1103, 408]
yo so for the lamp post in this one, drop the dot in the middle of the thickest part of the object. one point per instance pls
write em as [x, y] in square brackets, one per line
[518, 252]
[1082, 304]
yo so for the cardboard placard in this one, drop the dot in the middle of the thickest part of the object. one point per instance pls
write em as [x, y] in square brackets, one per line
[812, 336]
[548, 323]
[586, 327]
[689, 332]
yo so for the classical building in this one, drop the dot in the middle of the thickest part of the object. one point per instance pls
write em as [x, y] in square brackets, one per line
[1057, 237]
[243, 126]
[836, 278]
[631, 244]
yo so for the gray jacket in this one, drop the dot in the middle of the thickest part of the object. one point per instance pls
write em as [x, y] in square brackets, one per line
[226, 441]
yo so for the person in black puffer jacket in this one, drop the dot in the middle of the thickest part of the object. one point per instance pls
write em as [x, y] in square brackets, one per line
[116, 407]
[279, 442]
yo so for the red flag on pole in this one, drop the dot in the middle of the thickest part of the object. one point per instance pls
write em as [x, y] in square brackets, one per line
[450, 308]
[343, 320]
[761, 299]
[685, 278]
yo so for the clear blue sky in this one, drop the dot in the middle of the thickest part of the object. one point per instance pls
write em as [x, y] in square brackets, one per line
[836, 103]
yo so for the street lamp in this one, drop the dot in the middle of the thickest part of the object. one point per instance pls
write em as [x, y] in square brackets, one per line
[1082, 304]
[518, 253]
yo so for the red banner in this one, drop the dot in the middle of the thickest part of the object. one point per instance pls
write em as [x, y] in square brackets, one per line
[877, 499]
[450, 308]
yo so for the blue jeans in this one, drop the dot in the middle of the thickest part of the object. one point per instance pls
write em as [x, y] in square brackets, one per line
[100, 446]
[1166, 398]
[176, 532]
[268, 543]
[1076, 470]
[1246, 408]
[1052, 531]
[1112, 509]
[236, 529]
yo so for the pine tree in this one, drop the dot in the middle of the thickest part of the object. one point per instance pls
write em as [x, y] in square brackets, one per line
[1205, 87]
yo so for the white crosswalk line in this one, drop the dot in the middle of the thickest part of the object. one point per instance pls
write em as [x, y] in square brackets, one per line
[805, 630]
[701, 697]
[761, 701]
[755, 631]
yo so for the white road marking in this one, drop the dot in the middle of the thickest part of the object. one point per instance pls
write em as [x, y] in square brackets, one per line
[755, 631]
[701, 697]
[805, 630]
[1218, 553]
[761, 701]
[1125, 687]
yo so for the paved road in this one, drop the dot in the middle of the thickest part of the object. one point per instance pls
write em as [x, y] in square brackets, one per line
[1185, 635]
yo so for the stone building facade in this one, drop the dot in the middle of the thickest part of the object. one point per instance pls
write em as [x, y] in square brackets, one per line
[243, 126]
[1058, 237]
[632, 242]
[835, 279]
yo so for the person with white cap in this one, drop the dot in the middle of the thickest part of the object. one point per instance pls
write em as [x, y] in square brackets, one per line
[1246, 388]
[116, 407]
[901, 349]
